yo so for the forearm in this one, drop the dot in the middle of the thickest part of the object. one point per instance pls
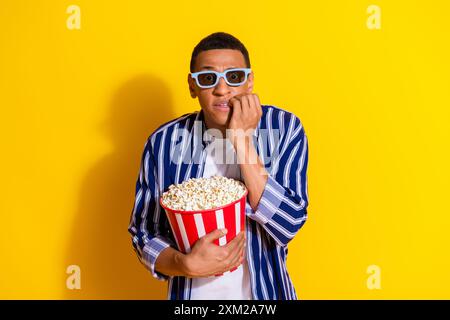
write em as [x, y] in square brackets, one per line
[171, 262]
[253, 171]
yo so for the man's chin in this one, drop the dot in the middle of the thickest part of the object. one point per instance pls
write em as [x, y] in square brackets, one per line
[220, 123]
[220, 119]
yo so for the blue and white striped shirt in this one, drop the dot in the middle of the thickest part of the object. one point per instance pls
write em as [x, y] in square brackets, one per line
[175, 152]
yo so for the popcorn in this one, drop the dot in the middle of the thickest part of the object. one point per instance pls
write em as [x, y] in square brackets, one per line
[203, 193]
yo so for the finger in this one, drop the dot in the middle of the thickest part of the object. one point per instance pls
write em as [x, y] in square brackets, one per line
[245, 103]
[253, 105]
[235, 242]
[256, 104]
[251, 102]
[236, 105]
[216, 234]
[237, 258]
[256, 99]
[240, 261]
[256, 109]
[234, 255]
[232, 252]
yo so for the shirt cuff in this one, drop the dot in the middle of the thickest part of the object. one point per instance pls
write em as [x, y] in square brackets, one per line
[150, 253]
[271, 198]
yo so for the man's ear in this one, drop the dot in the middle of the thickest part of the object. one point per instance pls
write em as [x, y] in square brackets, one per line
[191, 86]
[250, 83]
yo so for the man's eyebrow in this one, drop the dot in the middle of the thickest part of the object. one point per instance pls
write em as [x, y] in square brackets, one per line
[211, 67]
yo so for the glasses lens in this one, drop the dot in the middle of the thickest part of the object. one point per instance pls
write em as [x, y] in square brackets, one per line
[236, 76]
[207, 79]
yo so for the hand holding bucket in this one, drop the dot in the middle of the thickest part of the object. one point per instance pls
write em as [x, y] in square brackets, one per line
[190, 226]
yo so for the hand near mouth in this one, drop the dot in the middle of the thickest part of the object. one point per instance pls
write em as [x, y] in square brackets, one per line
[246, 113]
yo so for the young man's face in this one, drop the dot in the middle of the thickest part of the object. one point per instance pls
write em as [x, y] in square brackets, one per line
[216, 115]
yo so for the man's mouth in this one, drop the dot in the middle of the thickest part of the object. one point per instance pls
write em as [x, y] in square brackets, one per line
[222, 105]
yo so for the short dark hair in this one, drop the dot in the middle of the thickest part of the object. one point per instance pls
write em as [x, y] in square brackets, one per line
[219, 40]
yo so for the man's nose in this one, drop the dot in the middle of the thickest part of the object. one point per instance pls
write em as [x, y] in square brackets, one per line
[221, 88]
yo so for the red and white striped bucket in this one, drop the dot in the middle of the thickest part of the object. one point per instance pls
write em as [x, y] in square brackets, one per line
[189, 226]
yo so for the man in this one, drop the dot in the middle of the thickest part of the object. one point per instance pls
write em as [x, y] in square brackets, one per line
[270, 155]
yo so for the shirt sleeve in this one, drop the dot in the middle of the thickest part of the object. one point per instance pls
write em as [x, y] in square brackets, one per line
[145, 226]
[282, 209]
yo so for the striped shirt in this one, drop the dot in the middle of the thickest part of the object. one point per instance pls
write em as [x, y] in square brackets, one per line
[175, 152]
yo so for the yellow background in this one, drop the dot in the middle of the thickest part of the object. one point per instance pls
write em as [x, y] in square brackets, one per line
[78, 105]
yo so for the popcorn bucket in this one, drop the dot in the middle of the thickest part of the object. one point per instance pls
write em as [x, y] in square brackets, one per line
[189, 226]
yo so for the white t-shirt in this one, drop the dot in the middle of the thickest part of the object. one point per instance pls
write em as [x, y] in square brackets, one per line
[231, 285]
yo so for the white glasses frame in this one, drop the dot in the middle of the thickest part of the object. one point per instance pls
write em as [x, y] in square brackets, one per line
[219, 75]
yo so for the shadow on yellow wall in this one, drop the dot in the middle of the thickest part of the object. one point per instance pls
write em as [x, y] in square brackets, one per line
[100, 244]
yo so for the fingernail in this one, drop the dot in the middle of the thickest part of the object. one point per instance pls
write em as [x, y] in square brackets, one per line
[224, 231]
